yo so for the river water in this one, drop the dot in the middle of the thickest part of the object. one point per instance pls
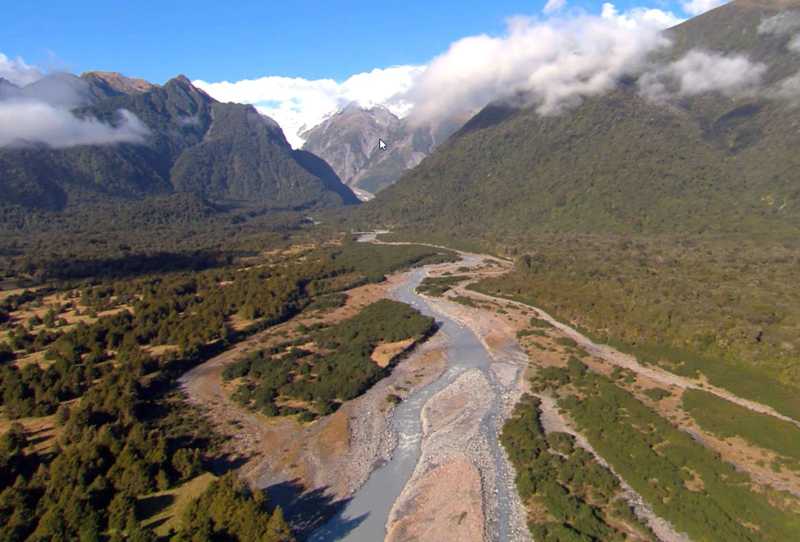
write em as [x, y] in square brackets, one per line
[364, 518]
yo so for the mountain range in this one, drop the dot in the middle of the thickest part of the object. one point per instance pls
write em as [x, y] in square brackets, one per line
[348, 141]
[622, 162]
[161, 140]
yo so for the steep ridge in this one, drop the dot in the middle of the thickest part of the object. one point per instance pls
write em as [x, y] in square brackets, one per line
[246, 156]
[193, 144]
[349, 142]
[117, 82]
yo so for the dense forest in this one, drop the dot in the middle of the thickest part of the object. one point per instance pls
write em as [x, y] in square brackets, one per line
[110, 238]
[724, 308]
[89, 368]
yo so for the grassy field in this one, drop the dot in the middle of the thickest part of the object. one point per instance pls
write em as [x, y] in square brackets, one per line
[727, 419]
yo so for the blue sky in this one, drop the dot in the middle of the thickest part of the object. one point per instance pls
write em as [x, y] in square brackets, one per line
[242, 39]
[299, 62]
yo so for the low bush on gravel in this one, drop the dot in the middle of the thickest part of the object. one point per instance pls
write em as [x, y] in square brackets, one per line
[316, 373]
[438, 286]
[683, 482]
[580, 496]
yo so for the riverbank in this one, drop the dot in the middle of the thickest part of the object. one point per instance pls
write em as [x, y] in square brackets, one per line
[431, 467]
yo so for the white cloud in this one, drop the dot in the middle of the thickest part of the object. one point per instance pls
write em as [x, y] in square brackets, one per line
[639, 17]
[553, 6]
[783, 24]
[788, 89]
[17, 71]
[794, 44]
[700, 72]
[786, 22]
[29, 122]
[560, 59]
[698, 7]
[299, 104]
[556, 62]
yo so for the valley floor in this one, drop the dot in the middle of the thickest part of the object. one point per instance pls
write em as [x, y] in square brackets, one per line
[458, 482]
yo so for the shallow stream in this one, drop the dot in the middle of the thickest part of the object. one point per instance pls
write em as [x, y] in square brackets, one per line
[364, 518]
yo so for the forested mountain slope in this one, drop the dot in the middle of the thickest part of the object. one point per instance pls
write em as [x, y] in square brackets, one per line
[624, 162]
[183, 141]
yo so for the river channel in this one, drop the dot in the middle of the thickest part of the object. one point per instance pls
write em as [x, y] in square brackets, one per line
[364, 518]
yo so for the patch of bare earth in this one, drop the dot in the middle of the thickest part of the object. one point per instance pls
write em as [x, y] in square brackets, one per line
[35, 358]
[161, 349]
[5, 294]
[384, 354]
[434, 514]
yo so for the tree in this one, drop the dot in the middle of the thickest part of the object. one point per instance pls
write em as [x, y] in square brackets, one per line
[135, 531]
[50, 318]
[186, 462]
[122, 505]
[14, 441]
[277, 528]
[162, 480]
[6, 353]
[89, 531]
[62, 415]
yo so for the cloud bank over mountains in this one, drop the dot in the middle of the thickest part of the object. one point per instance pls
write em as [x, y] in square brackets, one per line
[781, 24]
[558, 59]
[38, 110]
[17, 72]
[555, 61]
[32, 123]
[299, 104]
[699, 72]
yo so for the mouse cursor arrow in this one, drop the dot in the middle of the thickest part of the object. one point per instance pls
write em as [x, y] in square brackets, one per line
[381, 144]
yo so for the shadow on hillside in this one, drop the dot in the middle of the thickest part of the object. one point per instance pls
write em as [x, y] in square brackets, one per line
[308, 510]
[221, 465]
[132, 265]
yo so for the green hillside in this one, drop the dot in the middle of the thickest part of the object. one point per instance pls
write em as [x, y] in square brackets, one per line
[196, 145]
[619, 163]
[667, 230]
